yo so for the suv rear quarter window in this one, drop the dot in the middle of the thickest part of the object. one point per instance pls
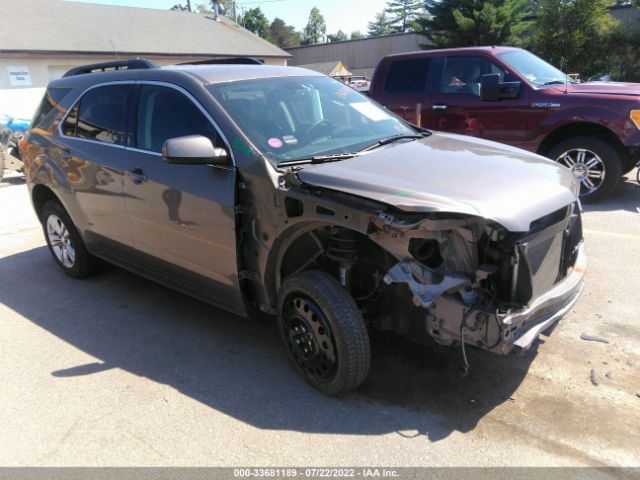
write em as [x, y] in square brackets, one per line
[52, 97]
[407, 76]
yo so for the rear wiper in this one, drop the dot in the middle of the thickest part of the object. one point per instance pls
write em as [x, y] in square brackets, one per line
[318, 159]
[394, 138]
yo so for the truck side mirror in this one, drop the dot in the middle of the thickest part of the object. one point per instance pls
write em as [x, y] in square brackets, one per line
[492, 89]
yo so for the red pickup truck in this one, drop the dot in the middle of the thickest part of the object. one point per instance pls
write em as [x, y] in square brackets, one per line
[511, 96]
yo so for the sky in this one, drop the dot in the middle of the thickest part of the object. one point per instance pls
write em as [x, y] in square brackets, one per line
[345, 15]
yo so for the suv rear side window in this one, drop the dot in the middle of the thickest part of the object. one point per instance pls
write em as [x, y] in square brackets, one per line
[102, 115]
[52, 97]
[407, 76]
[166, 113]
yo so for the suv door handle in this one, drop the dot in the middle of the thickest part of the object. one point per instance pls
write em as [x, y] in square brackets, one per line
[439, 106]
[136, 175]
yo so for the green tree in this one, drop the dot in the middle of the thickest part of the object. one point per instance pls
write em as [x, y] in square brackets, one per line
[379, 26]
[283, 35]
[255, 21]
[461, 23]
[316, 30]
[575, 34]
[356, 35]
[403, 13]
[180, 8]
[339, 36]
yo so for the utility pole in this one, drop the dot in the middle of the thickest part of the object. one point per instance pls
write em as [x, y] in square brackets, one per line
[235, 16]
[189, 5]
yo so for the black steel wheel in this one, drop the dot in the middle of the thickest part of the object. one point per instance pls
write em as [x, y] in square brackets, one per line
[324, 333]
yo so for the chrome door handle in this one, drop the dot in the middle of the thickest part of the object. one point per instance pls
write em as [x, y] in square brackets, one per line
[439, 106]
[136, 175]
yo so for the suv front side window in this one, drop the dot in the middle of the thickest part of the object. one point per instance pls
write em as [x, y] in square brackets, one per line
[165, 113]
[102, 115]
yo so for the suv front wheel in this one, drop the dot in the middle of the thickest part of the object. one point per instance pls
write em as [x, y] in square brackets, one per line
[595, 164]
[324, 333]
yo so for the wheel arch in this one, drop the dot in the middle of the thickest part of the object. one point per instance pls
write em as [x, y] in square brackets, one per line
[576, 129]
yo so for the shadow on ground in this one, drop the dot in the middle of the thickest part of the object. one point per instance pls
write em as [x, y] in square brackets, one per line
[237, 366]
[13, 180]
[625, 197]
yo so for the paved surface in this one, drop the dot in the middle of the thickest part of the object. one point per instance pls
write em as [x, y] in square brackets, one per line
[117, 370]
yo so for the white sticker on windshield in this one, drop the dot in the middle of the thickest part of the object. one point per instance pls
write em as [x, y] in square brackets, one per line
[370, 111]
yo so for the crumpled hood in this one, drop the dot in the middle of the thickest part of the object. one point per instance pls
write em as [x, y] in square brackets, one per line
[455, 174]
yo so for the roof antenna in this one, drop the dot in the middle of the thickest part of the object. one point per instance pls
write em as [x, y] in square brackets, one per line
[114, 49]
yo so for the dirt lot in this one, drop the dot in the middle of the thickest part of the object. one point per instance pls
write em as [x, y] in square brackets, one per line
[117, 370]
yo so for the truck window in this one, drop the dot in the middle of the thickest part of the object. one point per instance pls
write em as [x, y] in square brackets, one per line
[461, 74]
[407, 76]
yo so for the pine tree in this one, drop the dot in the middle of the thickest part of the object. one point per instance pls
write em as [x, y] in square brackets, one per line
[379, 26]
[461, 23]
[403, 13]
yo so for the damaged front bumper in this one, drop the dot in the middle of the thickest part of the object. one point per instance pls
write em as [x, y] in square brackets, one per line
[492, 327]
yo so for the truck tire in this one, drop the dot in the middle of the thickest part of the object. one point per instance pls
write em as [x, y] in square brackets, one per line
[594, 162]
[64, 242]
[323, 331]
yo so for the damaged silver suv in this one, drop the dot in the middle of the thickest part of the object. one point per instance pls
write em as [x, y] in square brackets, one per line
[280, 190]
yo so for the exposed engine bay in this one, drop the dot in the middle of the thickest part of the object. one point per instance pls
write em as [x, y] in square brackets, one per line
[452, 277]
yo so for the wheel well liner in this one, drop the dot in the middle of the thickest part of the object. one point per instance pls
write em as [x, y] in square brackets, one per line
[41, 195]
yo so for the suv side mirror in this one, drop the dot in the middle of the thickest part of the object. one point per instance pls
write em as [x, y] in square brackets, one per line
[193, 150]
[492, 89]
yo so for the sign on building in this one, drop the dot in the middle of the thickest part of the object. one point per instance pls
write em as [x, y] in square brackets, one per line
[19, 76]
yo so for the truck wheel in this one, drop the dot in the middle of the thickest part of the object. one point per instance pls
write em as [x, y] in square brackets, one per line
[64, 241]
[594, 163]
[323, 331]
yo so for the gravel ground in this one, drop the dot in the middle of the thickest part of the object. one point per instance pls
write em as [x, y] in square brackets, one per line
[119, 371]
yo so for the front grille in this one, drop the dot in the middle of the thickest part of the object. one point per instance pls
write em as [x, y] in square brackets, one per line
[548, 252]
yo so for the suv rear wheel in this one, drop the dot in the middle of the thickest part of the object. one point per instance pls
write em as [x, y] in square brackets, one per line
[64, 241]
[595, 164]
[323, 331]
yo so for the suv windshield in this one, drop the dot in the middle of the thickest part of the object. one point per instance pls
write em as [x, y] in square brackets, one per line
[294, 118]
[533, 68]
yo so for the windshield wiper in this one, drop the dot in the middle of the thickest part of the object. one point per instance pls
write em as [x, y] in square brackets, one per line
[318, 159]
[344, 156]
[394, 138]
[556, 82]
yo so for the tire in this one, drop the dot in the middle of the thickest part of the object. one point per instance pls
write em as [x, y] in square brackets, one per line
[323, 332]
[596, 163]
[64, 242]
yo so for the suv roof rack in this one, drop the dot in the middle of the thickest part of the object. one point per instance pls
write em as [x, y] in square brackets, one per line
[137, 64]
[226, 61]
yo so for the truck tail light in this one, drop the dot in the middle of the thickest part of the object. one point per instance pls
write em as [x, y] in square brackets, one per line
[635, 117]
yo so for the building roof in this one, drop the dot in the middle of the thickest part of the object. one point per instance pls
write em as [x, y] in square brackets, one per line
[74, 27]
[333, 69]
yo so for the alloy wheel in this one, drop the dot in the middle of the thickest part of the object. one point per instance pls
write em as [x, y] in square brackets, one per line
[60, 241]
[587, 168]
